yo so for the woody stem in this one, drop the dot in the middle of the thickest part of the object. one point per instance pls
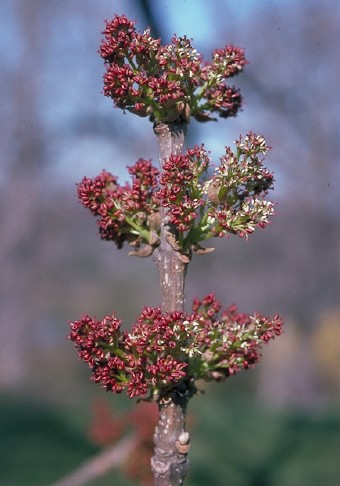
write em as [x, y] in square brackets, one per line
[170, 463]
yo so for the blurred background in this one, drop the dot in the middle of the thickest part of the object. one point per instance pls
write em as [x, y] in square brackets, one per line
[276, 425]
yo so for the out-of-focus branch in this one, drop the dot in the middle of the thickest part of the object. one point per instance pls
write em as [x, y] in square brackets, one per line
[150, 17]
[100, 464]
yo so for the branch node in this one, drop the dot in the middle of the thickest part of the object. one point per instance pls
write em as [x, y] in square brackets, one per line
[182, 448]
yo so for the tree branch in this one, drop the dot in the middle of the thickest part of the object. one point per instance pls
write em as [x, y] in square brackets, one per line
[170, 463]
[100, 464]
[171, 268]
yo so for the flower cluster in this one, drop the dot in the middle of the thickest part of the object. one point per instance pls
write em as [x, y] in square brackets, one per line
[167, 82]
[181, 187]
[126, 213]
[228, 340]
[138, 360]
[231, 201]
[238, 188]
[164, 349]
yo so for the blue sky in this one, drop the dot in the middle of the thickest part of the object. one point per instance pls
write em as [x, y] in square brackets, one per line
[69, 75]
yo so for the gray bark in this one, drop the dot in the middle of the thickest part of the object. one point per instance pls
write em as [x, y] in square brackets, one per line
[170, 462]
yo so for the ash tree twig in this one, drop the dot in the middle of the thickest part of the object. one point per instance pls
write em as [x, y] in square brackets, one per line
[167, 212]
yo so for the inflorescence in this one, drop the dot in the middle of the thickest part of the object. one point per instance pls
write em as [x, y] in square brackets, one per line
[167, 82]
[164, 349]
[231, 201]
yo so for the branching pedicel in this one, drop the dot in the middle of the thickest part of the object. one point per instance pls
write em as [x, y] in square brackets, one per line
[171, 210]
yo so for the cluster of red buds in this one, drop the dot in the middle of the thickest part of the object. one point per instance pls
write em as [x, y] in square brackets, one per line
[228, 340]
[167, 82]
[164, 349]
[232, 201]
[125, 213]
[237, 189]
